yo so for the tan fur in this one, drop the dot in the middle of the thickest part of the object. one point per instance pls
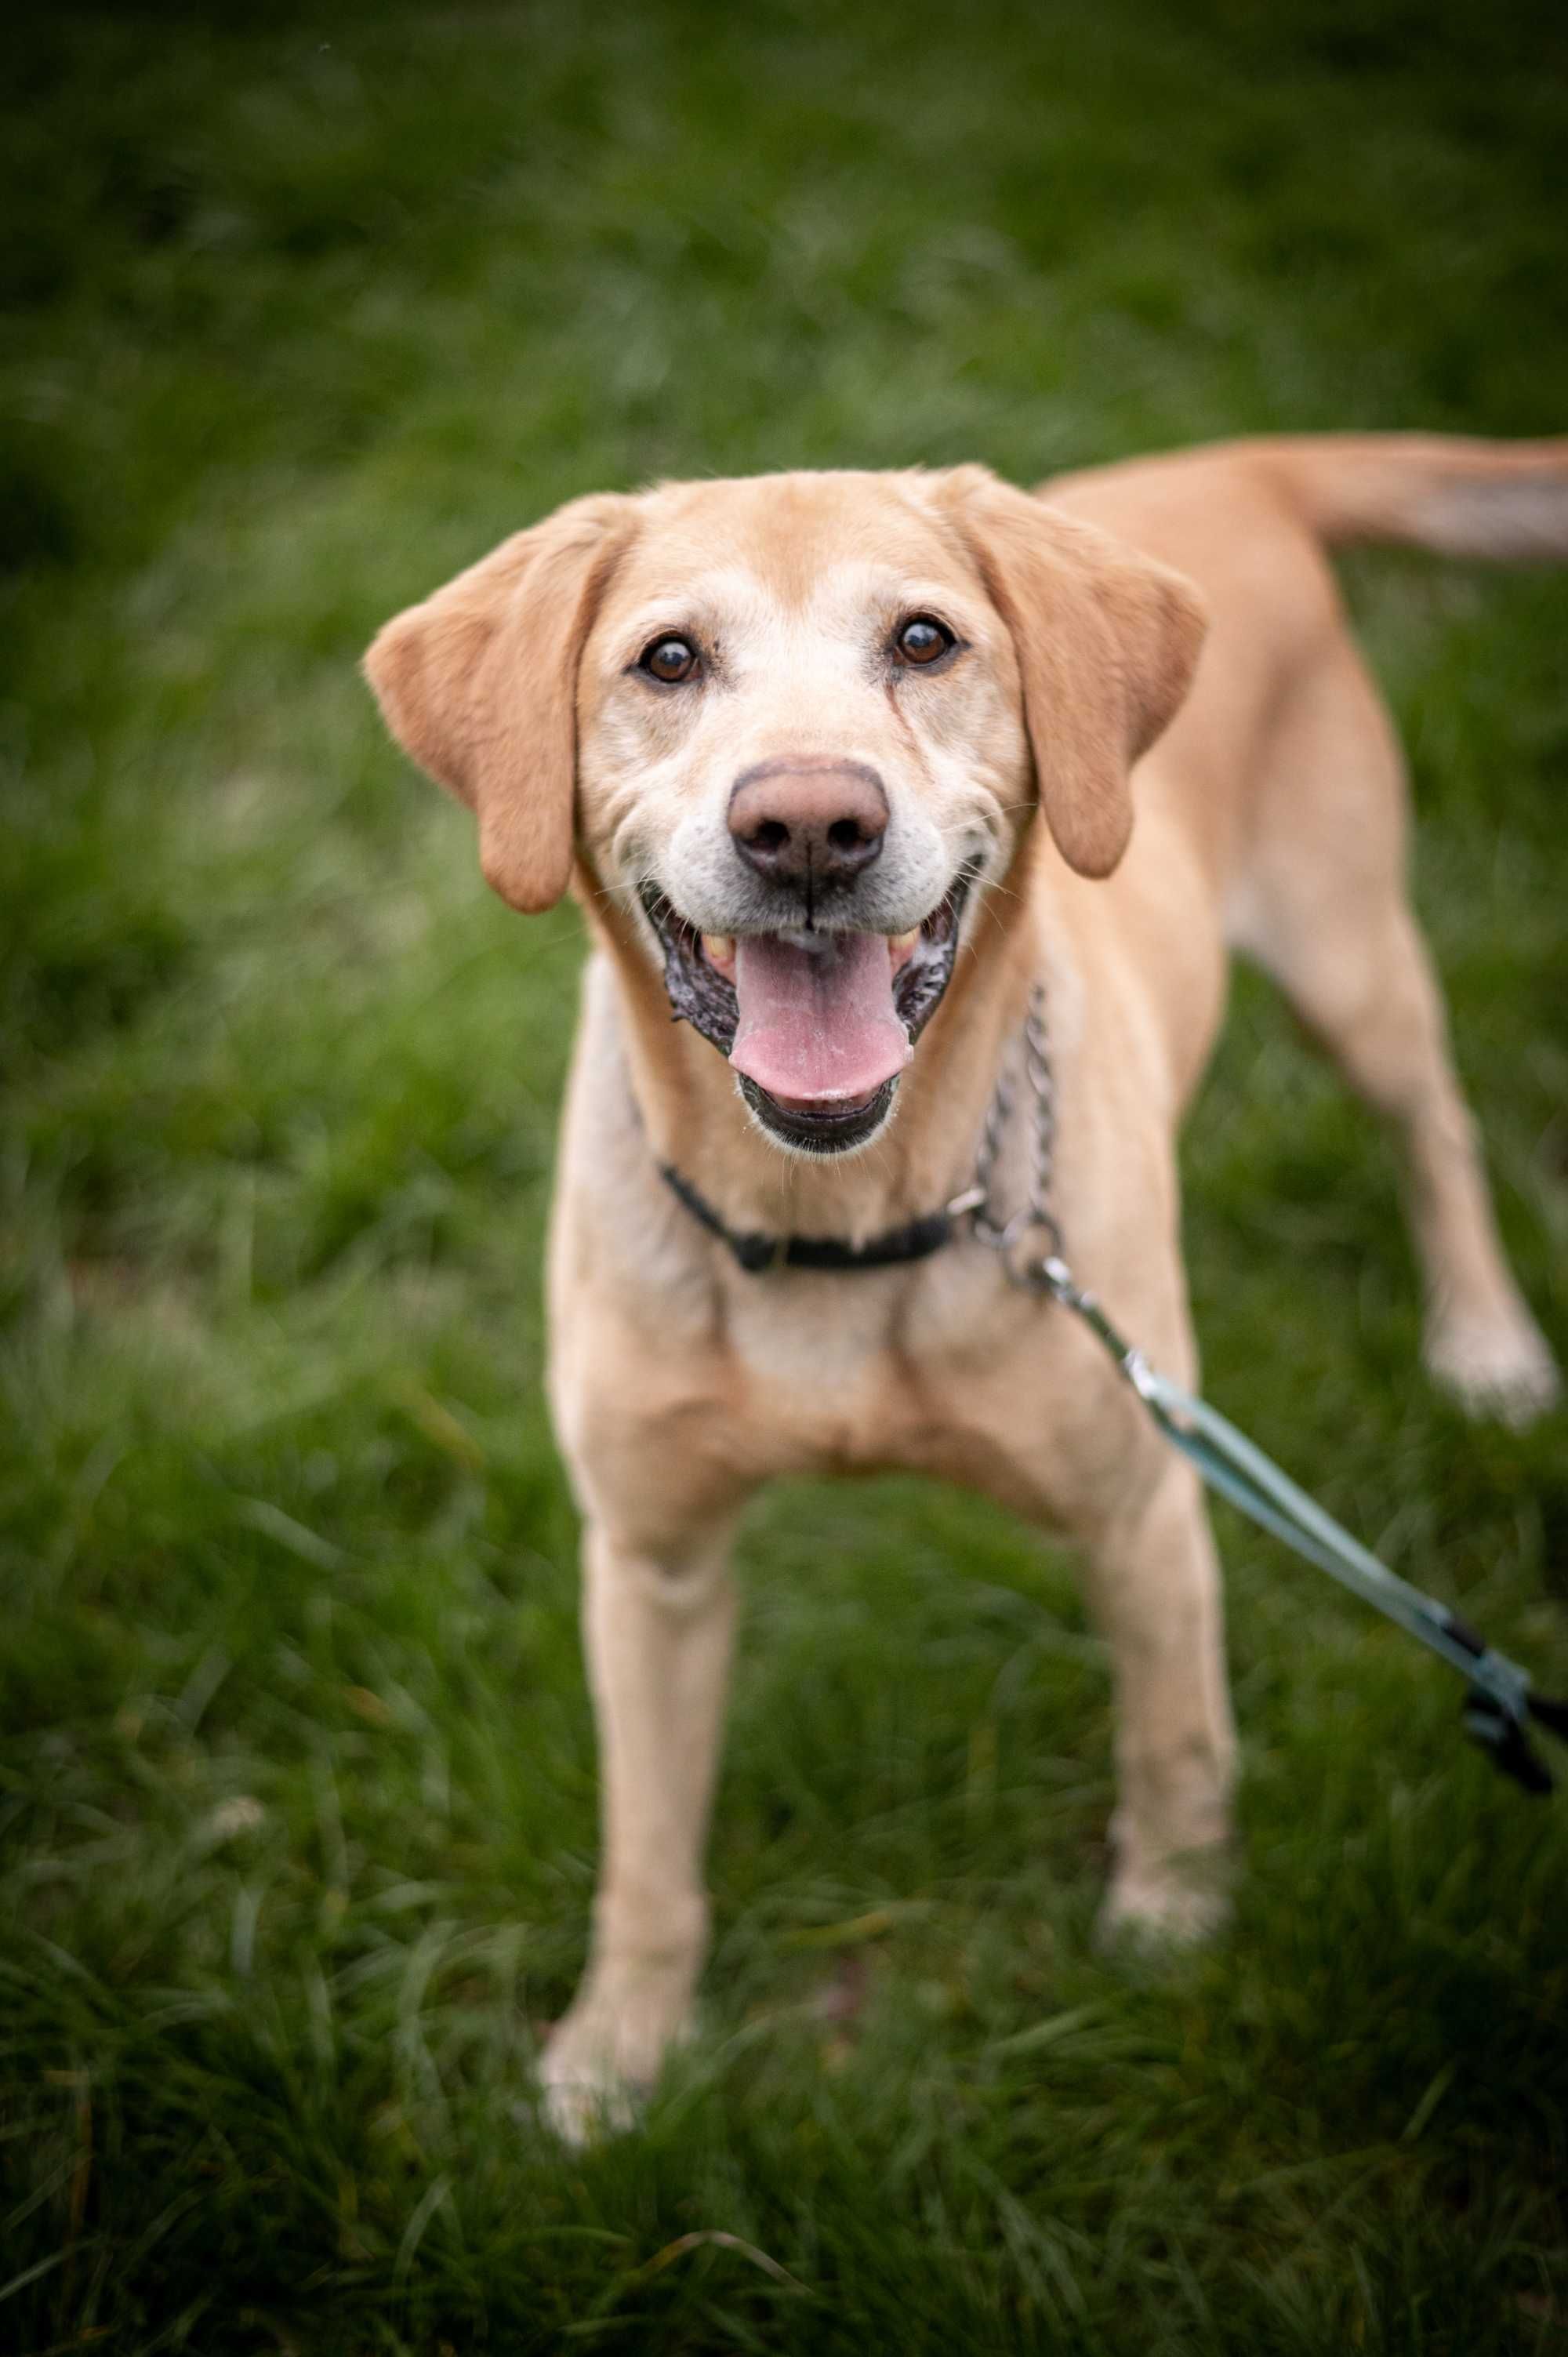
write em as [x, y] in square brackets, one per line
[480, 682]
[1106, 645]
[1269, 815]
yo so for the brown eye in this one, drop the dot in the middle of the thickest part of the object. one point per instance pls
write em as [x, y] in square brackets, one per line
[921, 640]
[669, 659]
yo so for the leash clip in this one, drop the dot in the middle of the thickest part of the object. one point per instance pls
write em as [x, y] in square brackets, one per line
[1500, 1733]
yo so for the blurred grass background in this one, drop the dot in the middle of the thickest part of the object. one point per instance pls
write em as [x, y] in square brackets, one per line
[303, 308]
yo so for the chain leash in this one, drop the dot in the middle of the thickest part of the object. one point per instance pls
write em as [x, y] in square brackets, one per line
[1501, 1702]
[1042, 1271]
[1045, 1271]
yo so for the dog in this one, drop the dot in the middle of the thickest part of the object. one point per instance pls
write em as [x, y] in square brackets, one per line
[843, 768]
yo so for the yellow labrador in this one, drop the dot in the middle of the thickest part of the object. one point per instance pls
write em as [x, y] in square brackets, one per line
[840, 765]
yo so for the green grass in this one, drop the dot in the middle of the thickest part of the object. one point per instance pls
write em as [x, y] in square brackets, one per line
[303, 308]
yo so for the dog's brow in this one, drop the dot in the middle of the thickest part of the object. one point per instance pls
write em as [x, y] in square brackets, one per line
[697, 597]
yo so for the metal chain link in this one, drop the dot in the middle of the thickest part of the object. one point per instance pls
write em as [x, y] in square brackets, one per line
[1037, 1274]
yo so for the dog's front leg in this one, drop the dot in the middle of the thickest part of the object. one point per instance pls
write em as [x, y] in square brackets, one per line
[1154, 1586]
[657, 1630]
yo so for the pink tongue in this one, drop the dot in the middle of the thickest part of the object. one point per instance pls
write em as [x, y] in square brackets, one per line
[817, 1026]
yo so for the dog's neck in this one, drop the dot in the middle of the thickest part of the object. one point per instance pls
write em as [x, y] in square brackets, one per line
[696, 1120]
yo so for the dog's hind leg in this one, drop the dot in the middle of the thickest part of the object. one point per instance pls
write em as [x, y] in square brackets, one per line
[1322, 905]
[658, 1624]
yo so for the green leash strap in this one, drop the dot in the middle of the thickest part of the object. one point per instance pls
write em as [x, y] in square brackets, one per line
[1500, 1703]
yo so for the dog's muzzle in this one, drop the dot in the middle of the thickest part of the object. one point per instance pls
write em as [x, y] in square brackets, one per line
[817, 1026]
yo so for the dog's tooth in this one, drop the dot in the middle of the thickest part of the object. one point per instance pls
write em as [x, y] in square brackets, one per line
[718, 948]
[900, 944]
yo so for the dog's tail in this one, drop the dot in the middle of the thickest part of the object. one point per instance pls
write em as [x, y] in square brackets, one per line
[1459, 497]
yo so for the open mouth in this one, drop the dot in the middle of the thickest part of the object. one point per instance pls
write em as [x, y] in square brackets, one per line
[817, 1026]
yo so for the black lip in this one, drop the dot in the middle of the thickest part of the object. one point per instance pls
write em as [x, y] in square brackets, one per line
[699, 996]
[820, 1133]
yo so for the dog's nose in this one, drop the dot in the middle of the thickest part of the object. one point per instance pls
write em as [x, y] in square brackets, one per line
[808, 825]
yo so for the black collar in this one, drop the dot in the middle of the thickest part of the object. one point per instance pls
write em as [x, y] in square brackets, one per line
[756, 1252]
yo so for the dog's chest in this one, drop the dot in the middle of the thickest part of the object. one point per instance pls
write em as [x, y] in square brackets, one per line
[940, 1372]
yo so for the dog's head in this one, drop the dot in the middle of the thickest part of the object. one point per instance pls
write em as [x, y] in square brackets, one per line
[799, 722]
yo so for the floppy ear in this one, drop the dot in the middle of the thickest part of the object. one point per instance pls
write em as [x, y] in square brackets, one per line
[1107, 642]
[479, 684]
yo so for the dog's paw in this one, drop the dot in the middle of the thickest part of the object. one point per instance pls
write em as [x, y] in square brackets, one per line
[587, 2097]
[1498, 1368]
[602, 2061]
[1163, 1909]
